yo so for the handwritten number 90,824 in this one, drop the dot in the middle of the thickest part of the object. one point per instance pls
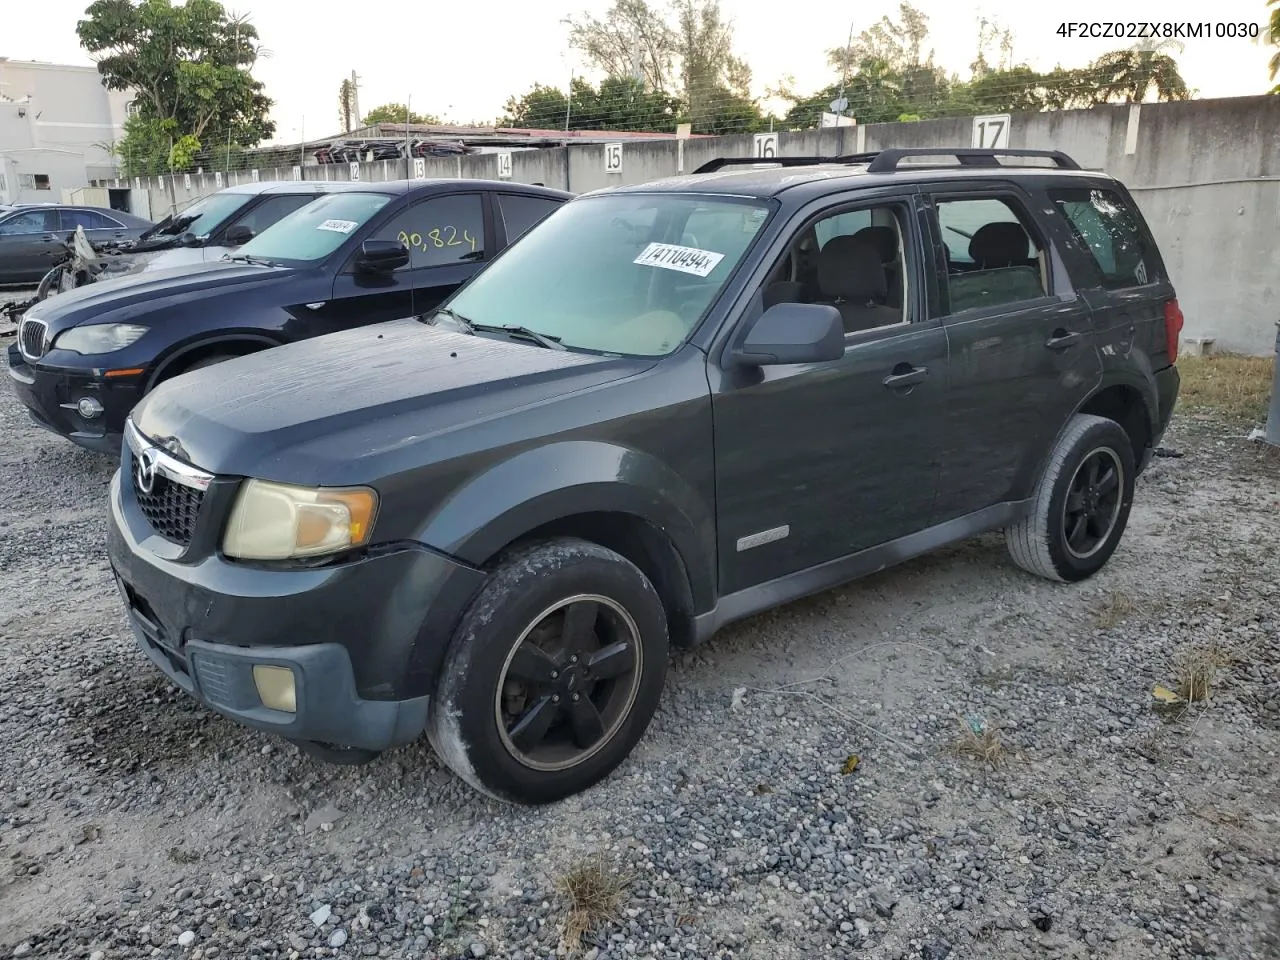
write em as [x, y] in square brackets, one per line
[437, 239]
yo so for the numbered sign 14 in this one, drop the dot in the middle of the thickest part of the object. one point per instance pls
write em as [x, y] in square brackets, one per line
[613, 158]
[991, 133]
[766, 146]
[504, 165]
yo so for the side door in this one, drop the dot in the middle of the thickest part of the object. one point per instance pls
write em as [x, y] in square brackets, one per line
[30, 245]
[98, 228]
[818, 461]
[1023, 354]
[518, 213]
[447, 238]
[1118, 268]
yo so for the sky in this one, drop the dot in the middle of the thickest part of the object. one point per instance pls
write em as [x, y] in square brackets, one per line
[461, 61]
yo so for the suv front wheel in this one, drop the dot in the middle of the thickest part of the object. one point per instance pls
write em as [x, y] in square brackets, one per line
[1081, 504]
[553, 674]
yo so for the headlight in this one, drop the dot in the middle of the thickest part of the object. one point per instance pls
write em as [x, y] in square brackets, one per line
[98, 337]
[273, 521]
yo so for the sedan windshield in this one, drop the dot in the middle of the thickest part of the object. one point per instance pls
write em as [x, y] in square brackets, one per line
[313, 232]
[622, 273]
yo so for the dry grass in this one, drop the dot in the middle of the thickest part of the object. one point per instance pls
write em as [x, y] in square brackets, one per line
[593, 895]
[983, 746]
[1197, 669]
[1116, 608]
[1233, 386]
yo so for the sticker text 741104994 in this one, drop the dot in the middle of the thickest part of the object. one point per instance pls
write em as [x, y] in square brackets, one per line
[671, 256]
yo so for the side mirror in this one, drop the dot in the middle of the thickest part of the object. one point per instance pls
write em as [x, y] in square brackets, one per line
[187, 240]
[793, 333]
[239, 234]
[381, 256]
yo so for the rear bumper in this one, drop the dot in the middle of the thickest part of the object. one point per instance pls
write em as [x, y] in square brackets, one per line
[1168, 383]
[354, 636]
[51, 395]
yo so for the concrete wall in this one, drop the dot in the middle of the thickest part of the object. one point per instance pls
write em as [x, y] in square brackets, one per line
[1206, 174]
[55, 121]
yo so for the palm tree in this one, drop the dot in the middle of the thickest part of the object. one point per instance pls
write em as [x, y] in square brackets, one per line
[1133, 73]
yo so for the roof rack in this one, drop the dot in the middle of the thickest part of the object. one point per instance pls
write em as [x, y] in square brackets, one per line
[887, 161]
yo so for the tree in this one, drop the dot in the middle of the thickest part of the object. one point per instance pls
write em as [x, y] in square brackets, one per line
[191, 67]
[347, 106]
[1274, 32]
[393, 113]
[618, 104]
[1134, 73]
[633, 40]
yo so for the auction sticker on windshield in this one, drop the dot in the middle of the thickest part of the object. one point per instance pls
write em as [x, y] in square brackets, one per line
[671, 256]
[338, 226]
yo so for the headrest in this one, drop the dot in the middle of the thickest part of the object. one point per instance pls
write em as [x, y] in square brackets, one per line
[850, 268]
[883, 239]
[999, 244]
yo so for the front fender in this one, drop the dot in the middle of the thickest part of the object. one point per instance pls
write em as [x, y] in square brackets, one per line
[560, 480]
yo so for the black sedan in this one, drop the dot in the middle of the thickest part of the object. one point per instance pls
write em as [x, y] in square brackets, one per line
[361, 255]
[31, 236]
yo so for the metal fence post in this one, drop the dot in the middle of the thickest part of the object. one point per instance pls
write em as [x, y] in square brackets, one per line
[1272, 435]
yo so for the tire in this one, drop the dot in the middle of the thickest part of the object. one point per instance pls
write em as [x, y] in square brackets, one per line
[484, 720]
[1041, 542]
[207, 362]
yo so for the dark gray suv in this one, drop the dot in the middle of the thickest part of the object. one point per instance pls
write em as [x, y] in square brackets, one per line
[666, 408]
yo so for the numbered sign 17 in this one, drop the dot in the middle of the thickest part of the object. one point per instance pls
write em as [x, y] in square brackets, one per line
[766, 146]
[991, 133]
[613, 158]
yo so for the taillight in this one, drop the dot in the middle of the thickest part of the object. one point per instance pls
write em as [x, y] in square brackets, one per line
[1172, 328]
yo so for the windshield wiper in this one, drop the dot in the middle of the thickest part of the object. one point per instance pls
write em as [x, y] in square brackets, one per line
[245, 258]
[541, 339]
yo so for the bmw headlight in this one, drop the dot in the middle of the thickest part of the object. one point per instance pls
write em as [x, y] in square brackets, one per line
[275, 521]
[98, 338]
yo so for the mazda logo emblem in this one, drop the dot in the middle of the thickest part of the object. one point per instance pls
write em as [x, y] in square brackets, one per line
[145, 470]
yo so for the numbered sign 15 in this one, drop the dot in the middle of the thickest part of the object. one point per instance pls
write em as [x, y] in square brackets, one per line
[504, 166]
[419, 168]
[354, 167]
[613, 158]
[991, 133]
[766, 146]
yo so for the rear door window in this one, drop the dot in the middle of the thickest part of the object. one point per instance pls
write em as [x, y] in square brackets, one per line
[1111, 233]
[521, 213]
[993, 259]
[271, 210]
[439, 231]
[89, 219]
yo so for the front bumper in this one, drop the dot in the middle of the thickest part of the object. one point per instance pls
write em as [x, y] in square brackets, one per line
[362, 639]
[51, 394]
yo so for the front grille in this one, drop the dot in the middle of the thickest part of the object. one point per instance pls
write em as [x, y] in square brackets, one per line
[171, 508]
[31, 338]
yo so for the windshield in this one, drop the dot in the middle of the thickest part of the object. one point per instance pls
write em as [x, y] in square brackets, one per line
[624, 273]
[316, 230]
[202, 218]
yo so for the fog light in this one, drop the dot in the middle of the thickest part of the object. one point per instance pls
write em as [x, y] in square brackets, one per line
[89, 407]
[275, 687]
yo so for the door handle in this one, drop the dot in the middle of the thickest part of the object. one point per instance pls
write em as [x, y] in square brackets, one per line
[1062, 339]
[905, 375]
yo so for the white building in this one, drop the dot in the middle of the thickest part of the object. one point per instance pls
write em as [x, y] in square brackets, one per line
[56, 122]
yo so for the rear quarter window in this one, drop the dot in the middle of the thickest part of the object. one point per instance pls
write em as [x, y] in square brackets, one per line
[1112, 236]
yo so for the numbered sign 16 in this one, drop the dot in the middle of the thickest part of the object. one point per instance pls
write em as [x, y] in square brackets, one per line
[419, 168]
[354, 168]
[504, 166]
[991, 133]
[613, 158]
[766, 146]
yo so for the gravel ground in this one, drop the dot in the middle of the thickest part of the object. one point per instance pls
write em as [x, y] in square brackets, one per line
[133, 824]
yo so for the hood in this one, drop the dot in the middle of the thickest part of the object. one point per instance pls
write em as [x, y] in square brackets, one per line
[132, 264]
[322, 410]
[128, 298]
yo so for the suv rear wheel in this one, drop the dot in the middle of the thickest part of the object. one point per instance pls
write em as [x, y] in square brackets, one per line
[553, 674]
[1081, 504]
